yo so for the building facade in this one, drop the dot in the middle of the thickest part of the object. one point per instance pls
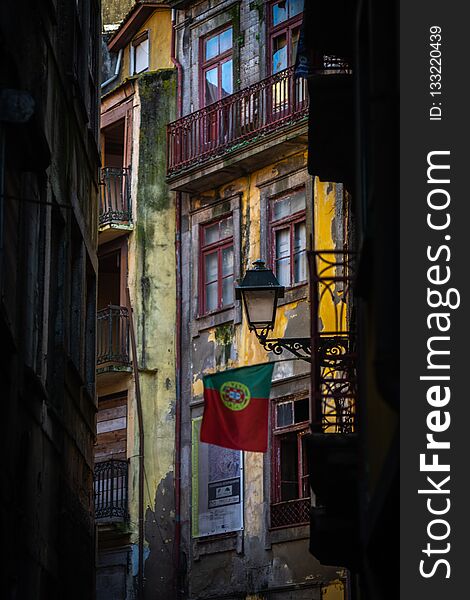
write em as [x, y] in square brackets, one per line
[134, 451]
[237, 161]
[49, 162]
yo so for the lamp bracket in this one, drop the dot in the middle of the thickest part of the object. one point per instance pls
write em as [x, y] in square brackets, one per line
[300, 347]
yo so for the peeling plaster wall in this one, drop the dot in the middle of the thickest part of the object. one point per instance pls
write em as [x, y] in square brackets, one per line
[259, 560]
[152, 284]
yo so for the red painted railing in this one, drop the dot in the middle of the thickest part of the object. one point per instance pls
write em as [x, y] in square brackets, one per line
[247, 114]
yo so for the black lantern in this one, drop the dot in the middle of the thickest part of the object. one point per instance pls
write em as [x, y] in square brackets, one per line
[259, 292]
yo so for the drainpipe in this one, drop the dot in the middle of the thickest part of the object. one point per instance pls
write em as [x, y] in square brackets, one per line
[116, 71]
[177, 555]
[140, 572]
[179, 68]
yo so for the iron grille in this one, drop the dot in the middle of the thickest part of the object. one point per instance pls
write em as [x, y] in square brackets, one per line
[115, 196]
[112, 336]
[256, 110]
[292, 512]
[334, 341]
[111, 493]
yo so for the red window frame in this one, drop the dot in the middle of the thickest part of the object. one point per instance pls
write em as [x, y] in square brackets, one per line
[206, 249]
[279, 434]
[216, 61]
[288, 222]
[276, 30]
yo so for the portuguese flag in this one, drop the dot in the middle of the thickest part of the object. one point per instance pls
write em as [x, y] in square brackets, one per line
[236, 404]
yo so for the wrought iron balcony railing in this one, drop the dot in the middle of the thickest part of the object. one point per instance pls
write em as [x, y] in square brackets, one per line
[292, 512]
[223, 125]
[112, 336]
[115, 196]
[334, 380]
[111, 490]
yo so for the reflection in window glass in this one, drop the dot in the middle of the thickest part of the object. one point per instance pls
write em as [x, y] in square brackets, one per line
[300, 259]
[227, 78]
[225, 40]
[279, 58]
[227, 261]
[279, 12]
[226, 228]
[211, 267]
[295, 7]
[211, 296]
[295, 42]
[211, 85]
[227, 291]
[212, 47]
[284, 414]
[283, 256]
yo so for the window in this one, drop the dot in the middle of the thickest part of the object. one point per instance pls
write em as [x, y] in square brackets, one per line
[217, 264]
[217, 66]
[290, 490]
[140, 54]
[285, 21]
[289, 238]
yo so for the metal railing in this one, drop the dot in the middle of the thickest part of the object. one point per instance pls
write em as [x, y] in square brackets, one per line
[115, 196]
[291, 512]
[249, 113]
[112, 336]
[334, 380]
[111, 490]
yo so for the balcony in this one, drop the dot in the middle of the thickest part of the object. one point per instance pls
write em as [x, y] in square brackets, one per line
[115, 202]
[112, 340]
[239, 133]
[332, 447]
[289, 513]
[111, 491]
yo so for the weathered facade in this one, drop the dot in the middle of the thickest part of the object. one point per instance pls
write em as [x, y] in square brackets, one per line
[134, 453]
[237, 160]
[49, 163]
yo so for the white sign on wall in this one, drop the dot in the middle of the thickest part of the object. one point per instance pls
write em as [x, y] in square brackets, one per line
[217, 487]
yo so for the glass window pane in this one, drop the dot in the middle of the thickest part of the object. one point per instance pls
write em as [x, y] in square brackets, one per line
[211, 233]
[279, 12]
[227, 290]
[226, 228]
[301, 410]
[295, 7]
[227, 78]
[227, 261]
[212, 47]
[284, 415]
[142, 56]
[282, 243]
[281, 208]
[212, 86]
[225, 40]
[283, 271]
[211, 296]
[300, 237]
[210, 267]
[297, 200]
[289, 468]
[295, 41]
[300, 267]
[279, 58]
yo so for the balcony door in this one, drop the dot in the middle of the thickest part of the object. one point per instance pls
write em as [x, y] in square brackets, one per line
[216, 83]
[285, 19]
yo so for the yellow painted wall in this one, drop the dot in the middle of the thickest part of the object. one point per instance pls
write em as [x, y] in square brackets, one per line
[159, 28]
[333, 591]
[248, 349]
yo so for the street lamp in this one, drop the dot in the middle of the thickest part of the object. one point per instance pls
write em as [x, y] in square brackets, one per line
[259, 292]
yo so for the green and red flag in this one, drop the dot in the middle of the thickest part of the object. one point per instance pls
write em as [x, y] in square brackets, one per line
[236, 407]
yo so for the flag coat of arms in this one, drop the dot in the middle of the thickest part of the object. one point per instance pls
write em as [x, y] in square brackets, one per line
[236, 407]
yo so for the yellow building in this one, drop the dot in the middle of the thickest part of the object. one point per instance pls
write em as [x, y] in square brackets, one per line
[134, 452]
